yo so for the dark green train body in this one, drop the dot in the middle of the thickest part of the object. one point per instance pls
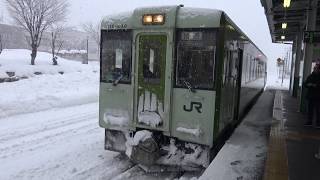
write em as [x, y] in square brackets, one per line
[183, 74]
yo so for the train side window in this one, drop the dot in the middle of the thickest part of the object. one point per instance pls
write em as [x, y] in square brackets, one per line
[195, 59]
[246, 73]
[116, 56]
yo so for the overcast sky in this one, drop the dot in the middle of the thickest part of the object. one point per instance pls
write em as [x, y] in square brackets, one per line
[247, 14]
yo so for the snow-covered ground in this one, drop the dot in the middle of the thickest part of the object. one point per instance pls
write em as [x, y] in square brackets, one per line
[61, 143]
[49, 124]
[274, 82]
[18, 61]
[78, 85]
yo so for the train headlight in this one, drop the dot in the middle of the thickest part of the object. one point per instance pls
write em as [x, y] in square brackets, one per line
[158, 19]
[153, 19]
[147, 19]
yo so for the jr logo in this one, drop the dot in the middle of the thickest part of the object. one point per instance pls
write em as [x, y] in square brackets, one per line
[196, 105]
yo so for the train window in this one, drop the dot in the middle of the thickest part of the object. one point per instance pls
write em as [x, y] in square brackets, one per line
[116, 56]
[152, 54]
[119, 56]
[195, 59]
[226, 67]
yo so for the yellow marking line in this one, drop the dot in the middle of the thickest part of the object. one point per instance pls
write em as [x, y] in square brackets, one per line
[277, 160]
[294, 135]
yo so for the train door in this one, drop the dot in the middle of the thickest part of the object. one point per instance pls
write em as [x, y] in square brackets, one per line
[151, 85]
[229, 88]
[226, 91]
[238, 71]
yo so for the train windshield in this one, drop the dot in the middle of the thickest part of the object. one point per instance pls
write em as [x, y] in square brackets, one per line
[116, 56]
[195, 59]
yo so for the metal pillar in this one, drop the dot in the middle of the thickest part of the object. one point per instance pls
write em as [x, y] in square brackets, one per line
[297, 65]
[308, 55]
[293, 59]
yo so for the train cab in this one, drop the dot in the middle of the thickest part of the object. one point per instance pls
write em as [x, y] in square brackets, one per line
[171, 82]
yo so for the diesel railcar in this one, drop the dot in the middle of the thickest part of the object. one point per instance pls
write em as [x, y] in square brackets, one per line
[173, 79]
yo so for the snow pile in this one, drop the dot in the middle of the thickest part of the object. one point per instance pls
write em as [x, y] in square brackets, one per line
[150, 109]
[78, 84]
[72, 51]
[116, 117]
[140, 136]
[48, 91]
[244, 154]
[149, 118]
[195, 157]
[3, 74]
[18, 61]
[195, 132]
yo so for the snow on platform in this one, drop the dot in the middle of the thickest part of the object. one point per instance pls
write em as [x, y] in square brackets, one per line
[244, 154]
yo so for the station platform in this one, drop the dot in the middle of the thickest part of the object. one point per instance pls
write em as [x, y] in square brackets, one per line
[292, 147]
[243, 155]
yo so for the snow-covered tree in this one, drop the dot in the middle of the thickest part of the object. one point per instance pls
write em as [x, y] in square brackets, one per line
[36, 16]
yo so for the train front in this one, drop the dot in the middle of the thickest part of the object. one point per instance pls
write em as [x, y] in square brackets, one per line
[157, 96]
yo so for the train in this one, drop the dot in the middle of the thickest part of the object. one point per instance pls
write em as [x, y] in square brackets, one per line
[173, 81]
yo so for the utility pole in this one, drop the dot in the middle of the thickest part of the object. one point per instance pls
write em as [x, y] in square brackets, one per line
[86, 60]
[283, 70]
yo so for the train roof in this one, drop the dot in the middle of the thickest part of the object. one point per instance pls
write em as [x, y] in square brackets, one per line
[175, 17]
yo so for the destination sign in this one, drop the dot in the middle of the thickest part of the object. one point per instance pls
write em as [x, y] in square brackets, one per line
[311, 36]
[116, 26]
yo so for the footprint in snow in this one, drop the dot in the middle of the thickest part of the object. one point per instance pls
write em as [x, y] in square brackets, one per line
[235, 163]
[74, 170]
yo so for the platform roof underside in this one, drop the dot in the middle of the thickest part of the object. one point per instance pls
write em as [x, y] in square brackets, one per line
[295, 16]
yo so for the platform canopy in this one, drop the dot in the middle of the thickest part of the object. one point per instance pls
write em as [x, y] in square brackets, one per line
[286, 18]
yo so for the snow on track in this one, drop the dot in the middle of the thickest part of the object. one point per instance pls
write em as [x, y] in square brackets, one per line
[57, 144]
[63, 143]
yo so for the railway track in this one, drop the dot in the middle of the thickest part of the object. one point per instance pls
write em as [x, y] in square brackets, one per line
[136, 172]
[64, 144]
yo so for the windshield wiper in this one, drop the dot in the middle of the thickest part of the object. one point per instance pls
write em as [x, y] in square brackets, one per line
[189, 86]
[116, 80]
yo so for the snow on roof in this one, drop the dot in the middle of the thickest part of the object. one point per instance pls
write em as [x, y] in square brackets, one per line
[186, 17]
[195, 12]
[119, 17]
[155, 8]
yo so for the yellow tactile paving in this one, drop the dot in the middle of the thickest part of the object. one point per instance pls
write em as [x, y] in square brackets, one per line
[277, 161]
[294, 135]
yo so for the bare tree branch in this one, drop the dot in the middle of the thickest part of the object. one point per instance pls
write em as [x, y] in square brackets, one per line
[36, 16]
[94, 32]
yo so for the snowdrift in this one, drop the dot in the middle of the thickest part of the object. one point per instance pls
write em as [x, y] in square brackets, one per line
[79, 84]
[18, 61]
